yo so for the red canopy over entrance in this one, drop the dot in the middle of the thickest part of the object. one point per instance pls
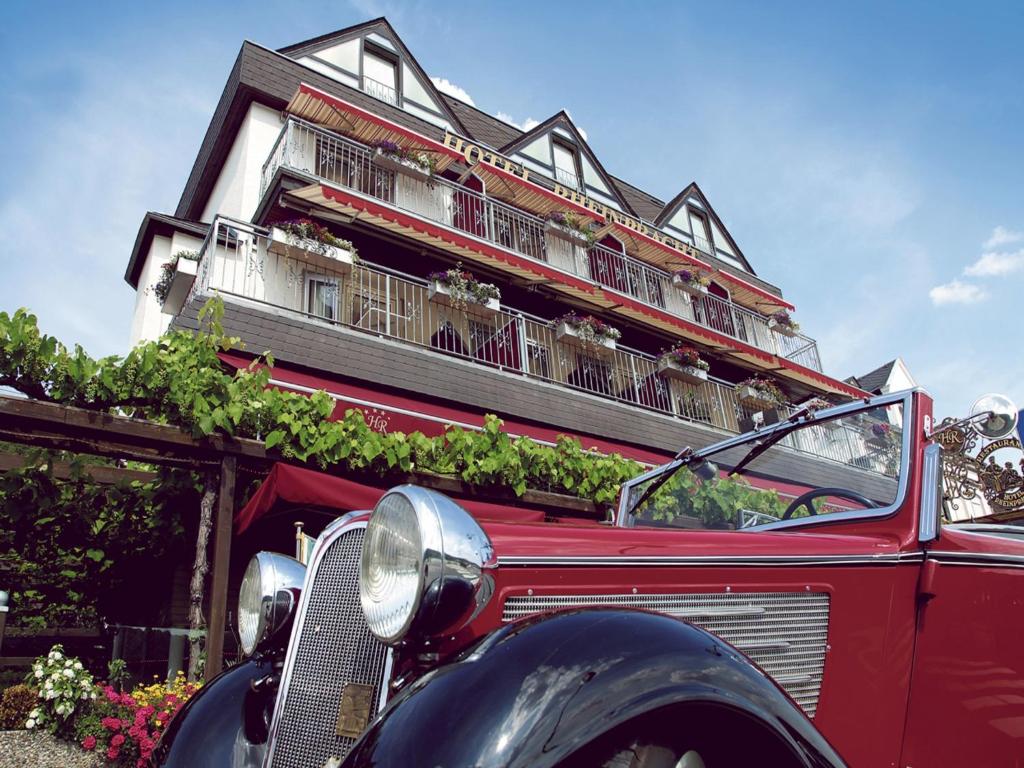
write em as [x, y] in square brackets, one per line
[295, 486]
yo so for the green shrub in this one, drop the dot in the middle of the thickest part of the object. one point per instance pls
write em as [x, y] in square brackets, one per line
[16, 703]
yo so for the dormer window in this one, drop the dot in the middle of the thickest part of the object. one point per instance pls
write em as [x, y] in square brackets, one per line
[380, 75]
[701, 231]
[567, 165]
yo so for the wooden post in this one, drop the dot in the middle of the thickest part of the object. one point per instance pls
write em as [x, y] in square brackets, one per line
[197, 585]
[221, 562]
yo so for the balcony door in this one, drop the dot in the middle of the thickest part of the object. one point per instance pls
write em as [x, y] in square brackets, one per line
[715, 310]
[468, 210]
[608, 264]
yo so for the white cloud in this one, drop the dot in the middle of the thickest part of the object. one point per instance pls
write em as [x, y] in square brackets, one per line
[996, 263]
[444, 85]
[527, 125]
[955, 292]
[1002, 236]
[579, 128]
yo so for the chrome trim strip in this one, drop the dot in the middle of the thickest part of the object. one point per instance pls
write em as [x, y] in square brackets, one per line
[905, 396]
[332, 532]
[931, 494]
[979, 559]
[712, 560]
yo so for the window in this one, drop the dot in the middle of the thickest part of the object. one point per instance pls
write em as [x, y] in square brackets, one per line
[322, 296]
[380, 76]
[566, 167]
[800, 473]
[701, 233]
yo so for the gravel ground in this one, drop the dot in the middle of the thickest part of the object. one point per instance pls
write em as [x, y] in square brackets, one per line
[21, 749]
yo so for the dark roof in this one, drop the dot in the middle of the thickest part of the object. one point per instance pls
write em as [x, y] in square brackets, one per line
[873, 381]
[154, 224]
[481, 126]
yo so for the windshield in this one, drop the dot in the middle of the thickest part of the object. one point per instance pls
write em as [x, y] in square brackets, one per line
[843, 464]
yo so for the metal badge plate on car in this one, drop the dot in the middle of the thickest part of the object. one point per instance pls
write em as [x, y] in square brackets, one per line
[354, 713]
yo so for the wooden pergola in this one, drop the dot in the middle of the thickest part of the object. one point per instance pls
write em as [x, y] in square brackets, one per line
[77, 430]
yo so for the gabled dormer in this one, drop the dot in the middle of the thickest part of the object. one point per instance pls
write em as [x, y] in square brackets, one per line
[558, 150]
[373, 59]
[690, 217]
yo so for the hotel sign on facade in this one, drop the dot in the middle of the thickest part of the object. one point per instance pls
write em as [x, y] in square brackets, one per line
[474, 154]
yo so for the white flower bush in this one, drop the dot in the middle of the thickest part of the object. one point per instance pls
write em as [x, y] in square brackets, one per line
[63, 683]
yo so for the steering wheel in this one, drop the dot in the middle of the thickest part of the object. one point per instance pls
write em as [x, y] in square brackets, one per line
[805, 499]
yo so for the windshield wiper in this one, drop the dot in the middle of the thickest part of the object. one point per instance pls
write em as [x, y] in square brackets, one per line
[704, 469]
[768, 441]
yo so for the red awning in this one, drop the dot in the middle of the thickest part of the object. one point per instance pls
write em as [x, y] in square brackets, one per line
[295, 486]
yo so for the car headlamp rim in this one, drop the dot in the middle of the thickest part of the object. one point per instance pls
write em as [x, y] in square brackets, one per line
[268, 598]
[453, 554]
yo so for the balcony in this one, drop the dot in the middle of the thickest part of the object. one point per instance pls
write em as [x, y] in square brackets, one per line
[325, 157]
[379, 91]
[240, 260]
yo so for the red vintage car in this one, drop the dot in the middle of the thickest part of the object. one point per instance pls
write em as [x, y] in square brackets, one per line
[787, 597]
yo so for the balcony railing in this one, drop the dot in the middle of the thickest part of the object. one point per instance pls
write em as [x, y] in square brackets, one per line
[327, 157]
[380, 91]
[238, 259]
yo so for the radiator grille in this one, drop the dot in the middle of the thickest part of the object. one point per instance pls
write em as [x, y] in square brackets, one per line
[785, 633]
[334, 648]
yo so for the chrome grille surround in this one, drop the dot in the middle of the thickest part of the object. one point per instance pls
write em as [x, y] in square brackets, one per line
[330, 647]
[784, 633]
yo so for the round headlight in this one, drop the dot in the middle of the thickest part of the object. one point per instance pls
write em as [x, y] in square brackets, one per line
[422, 567]
[268, 597]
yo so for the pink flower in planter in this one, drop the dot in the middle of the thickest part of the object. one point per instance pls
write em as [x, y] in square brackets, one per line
[118, 740]
[89, 742]
[111, 723]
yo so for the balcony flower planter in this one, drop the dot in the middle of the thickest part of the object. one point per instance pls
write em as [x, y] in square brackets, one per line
[751, 397]
[588, 334]
[689, 374]
[567, 227]
[879, 443]
[182, 275]
[880, 437]
[781, 329]
[782, 324]
[439, 293]
[690, 282]
[338, 256]
[458, 289]
[391, 156]
[683, 363]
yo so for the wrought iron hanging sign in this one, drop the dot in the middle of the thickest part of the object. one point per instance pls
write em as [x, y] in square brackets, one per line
[982, 457]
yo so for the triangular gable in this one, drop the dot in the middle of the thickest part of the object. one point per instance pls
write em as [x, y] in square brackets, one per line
[340, 56]
[535, 150]
[674, 217]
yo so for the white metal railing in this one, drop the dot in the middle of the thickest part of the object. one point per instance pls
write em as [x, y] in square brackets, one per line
[380, 91]
[568, 178]
[339, 161]
[241, 260]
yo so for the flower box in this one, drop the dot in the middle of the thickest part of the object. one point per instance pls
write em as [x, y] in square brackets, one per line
[181, 283]
[878, 442]
[694, 289]
[752, 397]
[572, 236]
[568, 334]
[397, 164]
[673, 369]
[781, 328]
[439, 293]
[310, 251]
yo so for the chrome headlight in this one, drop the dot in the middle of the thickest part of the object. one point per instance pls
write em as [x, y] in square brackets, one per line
[268, 597]
[423, 564]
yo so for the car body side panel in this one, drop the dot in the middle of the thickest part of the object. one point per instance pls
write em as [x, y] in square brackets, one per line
[967, 700]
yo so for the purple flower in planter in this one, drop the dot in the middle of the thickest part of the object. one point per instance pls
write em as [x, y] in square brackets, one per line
[388, 146]
[880, 430]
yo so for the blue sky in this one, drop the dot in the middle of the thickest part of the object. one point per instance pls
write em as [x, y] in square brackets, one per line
[868, 158]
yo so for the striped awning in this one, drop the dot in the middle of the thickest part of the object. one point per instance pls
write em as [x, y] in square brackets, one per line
[323, 109]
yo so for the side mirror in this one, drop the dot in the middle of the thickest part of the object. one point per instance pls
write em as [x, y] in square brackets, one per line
[996, 416]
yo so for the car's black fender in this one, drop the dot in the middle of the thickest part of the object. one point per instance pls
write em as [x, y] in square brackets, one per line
[543, 691]
[221, 725]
